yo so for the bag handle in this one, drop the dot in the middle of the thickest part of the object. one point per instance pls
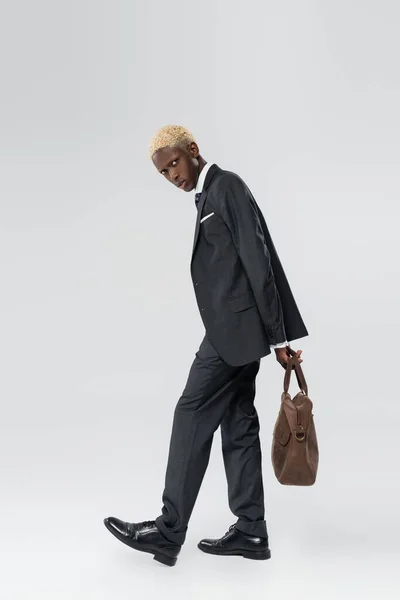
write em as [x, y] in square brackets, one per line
[293, 361]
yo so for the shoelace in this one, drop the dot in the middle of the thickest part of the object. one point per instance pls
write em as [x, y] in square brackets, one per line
[146, 523]
[221, 540]
[230, 529]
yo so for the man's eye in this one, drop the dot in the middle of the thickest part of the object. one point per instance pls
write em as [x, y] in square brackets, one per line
[174, 161]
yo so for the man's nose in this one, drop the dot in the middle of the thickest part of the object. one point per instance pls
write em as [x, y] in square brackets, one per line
[174, 176]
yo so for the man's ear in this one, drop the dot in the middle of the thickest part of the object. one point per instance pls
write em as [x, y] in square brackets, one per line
[194, 149]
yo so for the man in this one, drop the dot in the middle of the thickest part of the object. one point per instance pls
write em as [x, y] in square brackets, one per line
[247, 308]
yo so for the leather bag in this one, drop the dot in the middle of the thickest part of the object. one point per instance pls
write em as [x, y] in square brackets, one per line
[295, 452]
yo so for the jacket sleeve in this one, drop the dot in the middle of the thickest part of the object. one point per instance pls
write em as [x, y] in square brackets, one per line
[239, 214]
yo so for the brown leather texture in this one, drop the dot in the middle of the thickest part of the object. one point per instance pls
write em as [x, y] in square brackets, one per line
[295, 452]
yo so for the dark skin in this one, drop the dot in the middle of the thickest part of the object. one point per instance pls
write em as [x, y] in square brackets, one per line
[182, 167]
[177, 164]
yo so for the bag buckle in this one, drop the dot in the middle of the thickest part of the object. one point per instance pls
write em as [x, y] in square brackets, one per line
[300, 436]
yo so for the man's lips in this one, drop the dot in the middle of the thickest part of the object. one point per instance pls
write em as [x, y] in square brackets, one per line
[181, 184]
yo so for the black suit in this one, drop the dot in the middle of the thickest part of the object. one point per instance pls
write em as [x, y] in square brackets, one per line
[246, 304]
[244, 297]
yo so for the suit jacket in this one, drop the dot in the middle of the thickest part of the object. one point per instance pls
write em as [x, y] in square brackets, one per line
[241, 289]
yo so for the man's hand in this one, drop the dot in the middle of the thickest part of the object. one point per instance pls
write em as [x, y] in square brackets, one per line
[282, 356]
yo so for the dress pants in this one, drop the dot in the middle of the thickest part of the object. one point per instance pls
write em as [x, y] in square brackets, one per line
[216, 394]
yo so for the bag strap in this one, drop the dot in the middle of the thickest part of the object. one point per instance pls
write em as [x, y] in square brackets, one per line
[293, 361]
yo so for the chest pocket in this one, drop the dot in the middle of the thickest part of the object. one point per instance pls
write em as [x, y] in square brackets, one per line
[212, 227]
[216, 234]
[207, 217]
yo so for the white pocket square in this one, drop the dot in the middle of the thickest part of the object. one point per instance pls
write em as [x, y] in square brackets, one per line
[206, 217]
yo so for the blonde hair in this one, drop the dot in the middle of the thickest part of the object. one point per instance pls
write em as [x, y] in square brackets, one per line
[170, 136]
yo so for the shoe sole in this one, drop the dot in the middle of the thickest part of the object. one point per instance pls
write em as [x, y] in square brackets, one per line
[253, 555]
[162, 558]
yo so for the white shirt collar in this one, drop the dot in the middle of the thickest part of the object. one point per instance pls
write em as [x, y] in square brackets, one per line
[202, 176]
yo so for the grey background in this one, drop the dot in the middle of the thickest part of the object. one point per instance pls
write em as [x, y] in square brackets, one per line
[99, 323]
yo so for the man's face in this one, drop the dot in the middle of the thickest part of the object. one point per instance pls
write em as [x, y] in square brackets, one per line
[178, 166]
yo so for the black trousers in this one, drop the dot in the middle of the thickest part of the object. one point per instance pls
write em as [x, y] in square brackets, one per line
[216, 394]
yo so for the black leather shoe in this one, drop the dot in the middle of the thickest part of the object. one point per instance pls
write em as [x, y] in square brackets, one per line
[146, 537]
[235, 542]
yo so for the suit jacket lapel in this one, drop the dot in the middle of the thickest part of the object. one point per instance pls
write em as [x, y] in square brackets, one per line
[199, 211]
[211, 172]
